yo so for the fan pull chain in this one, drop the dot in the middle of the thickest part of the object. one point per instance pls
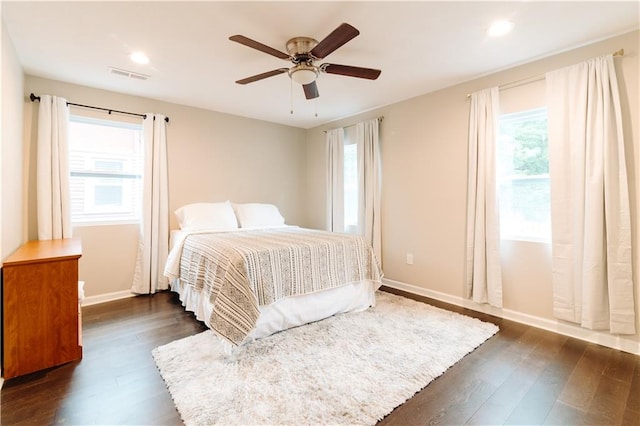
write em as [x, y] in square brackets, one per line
[316, 102]
[291, 95]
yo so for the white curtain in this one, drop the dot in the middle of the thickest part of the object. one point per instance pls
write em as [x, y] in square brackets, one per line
[368, 140]
[54, 202]
[483, 271]
[590, 216]
[335, 182]
[153, 246]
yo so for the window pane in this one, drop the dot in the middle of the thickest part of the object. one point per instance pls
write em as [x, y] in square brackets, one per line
[523, 173]
[109, 165]
[108, 195]
[105, 160]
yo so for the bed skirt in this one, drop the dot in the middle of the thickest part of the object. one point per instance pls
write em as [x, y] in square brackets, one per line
[290, 311]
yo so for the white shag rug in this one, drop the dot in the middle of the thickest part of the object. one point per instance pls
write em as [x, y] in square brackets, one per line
[345, 370]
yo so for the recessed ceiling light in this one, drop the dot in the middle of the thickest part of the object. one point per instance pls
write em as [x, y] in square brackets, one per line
[139, 58]
[500, 28]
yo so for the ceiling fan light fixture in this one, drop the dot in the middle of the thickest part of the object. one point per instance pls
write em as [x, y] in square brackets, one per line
[303, 74]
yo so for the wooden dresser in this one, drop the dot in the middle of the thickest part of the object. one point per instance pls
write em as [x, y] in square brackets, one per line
[40, 306]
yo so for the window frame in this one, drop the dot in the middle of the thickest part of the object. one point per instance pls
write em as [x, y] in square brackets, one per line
[501, 176]
[129, 217]
[350, 143]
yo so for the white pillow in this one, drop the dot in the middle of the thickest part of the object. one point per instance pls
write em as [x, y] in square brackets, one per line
[206, 216]
[256, 215]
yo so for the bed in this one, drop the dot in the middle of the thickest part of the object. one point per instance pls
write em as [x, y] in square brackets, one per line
[247, 275]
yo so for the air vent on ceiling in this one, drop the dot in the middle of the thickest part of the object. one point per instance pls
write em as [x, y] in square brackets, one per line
[125, 73]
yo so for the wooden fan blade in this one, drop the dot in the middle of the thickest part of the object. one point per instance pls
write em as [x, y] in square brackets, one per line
[261, 76]
[258, 46]
[368, 73]
[337, 38]
[311, 90]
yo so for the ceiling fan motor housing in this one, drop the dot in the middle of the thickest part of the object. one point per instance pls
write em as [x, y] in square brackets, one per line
[299, 48]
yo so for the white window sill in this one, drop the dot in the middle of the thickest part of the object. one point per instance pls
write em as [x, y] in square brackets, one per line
[105, 223]
[527, 239]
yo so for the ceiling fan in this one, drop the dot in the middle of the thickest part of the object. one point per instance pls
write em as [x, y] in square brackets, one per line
[303, 52]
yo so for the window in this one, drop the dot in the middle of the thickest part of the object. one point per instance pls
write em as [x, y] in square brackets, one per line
[351, 188]
[105, 162]
[523, 176]
[351, 183]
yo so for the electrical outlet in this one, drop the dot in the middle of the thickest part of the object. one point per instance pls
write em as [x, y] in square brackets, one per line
[409, 258]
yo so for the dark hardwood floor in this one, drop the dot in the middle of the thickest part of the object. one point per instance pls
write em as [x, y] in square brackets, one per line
[522, 375]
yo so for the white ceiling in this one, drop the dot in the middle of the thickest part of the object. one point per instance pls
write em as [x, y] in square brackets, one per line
[419, 46]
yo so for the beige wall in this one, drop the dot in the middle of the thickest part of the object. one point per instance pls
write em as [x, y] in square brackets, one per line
[11, 150]
[212, 157]
[424, 155]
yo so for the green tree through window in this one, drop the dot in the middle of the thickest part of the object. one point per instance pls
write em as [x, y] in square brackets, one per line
[530, 153]
[523, 170]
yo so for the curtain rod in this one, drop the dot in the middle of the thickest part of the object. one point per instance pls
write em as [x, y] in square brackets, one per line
[537, 77]
[37, 98]
[351, 125]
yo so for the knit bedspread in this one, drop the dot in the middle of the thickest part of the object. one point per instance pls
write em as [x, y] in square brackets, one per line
[240, 271]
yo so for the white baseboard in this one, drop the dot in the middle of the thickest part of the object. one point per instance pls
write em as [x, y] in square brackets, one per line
[566, 329]
[107, 297]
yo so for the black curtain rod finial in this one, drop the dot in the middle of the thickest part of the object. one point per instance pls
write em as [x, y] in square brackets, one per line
[34, 97]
